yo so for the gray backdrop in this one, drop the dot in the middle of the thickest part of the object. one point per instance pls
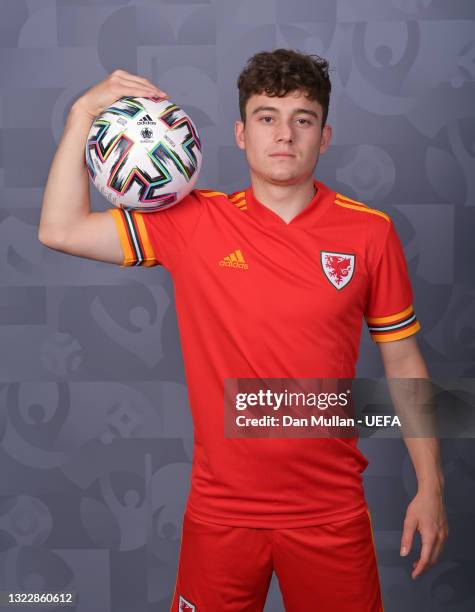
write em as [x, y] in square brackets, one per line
[95, 433]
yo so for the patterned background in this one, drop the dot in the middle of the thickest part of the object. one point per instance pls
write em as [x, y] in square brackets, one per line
[95, 433]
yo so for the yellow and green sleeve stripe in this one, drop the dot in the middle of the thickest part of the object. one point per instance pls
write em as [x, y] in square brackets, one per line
[134, 238]
[393, 327]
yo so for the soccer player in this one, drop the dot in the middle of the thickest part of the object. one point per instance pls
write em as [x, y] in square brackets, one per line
[271, 281]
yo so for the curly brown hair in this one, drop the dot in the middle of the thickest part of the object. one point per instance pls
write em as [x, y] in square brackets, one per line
[278, 72]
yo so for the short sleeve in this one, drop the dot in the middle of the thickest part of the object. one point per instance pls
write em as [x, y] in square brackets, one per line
[389, 311]
[158, 237]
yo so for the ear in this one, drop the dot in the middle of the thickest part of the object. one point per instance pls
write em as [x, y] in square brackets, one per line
[239, 134]
[326, 138]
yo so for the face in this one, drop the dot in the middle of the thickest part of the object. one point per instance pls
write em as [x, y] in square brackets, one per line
[282, 138]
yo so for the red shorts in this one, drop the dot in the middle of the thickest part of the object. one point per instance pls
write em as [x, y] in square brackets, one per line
[328, 567]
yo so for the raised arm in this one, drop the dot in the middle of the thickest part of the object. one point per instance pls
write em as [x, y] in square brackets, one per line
[67, 223]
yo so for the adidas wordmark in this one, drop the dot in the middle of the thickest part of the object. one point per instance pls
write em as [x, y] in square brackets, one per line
[234, 260]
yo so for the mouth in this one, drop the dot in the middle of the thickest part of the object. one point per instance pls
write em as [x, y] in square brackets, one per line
[281, 155]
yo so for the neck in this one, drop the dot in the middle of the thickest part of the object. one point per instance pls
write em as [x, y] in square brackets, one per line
[287, 201]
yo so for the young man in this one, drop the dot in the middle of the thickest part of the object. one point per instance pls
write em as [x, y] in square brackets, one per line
[261, 293]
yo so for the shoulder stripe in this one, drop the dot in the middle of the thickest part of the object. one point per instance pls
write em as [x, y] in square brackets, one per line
[237, 196]
[241, 204]
[208, 193]
[239, 200]
[363, 208]
[340, 196]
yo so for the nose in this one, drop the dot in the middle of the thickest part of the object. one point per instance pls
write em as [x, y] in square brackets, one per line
[284, 132]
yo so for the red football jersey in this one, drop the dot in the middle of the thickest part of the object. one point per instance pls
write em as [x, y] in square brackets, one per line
[257, 297]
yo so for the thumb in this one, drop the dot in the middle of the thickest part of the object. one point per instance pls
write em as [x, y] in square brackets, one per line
[407, 537]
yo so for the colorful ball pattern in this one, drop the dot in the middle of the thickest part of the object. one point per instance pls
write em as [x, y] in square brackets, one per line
[143, 153]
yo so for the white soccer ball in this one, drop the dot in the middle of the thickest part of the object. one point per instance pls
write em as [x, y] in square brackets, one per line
[143, 153]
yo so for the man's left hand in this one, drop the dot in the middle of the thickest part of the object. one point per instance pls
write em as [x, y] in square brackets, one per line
[427, 514]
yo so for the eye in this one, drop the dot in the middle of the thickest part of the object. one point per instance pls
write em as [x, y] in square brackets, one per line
[305, 121]
[265, 117]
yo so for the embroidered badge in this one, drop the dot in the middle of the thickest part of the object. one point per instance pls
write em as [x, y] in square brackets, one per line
[185, 606]
[338, 267]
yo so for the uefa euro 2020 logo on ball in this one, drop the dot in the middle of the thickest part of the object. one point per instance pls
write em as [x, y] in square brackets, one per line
[143, 154]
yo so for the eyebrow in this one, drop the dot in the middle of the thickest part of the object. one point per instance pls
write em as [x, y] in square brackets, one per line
[297, 111]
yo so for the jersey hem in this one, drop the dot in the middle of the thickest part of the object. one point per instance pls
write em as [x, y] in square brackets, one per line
[275, 522]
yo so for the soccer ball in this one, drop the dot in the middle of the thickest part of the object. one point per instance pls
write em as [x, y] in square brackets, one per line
[143, 153]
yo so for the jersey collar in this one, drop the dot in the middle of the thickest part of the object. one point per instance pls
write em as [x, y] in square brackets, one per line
[322, 199]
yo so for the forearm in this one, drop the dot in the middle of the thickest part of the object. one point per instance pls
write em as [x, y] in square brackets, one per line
[413, 402]
[425, 456]
[66, 195]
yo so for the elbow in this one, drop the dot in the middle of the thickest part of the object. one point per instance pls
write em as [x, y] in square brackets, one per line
[49, 239]
[42, 236]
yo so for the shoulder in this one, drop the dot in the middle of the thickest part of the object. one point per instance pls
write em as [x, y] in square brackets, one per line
[374, 224]
[359, 210]
[237, 198]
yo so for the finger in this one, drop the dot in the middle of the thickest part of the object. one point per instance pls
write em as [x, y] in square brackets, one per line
[423, 562]
[141, 81]
[135, 90]
[137, 93]
[148, 83]
[130, 76]
[437, 550]
[146, 92]
[134, 83]
[407, 538]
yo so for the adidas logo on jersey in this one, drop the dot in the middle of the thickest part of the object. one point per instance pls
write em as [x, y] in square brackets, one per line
[146, 120]
[234, 260]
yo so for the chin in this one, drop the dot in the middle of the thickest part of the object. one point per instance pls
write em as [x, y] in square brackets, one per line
[283, 177]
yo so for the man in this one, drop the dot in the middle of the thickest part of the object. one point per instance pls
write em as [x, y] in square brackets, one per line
[260, 293]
